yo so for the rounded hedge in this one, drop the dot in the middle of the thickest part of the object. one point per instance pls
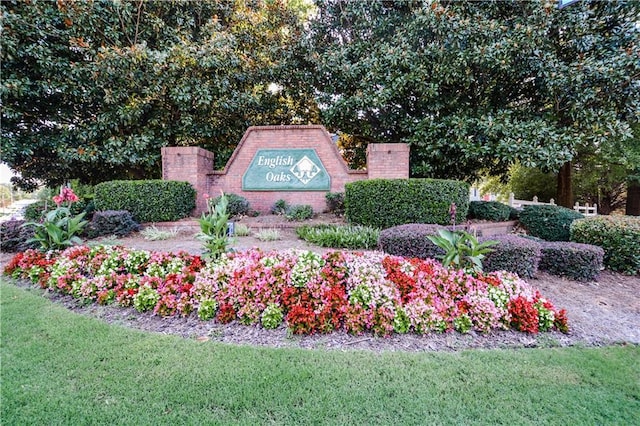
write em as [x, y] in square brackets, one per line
[489, 210]
[383, 203]
[576, 261]
[619, 236]
[514, 254]
[549, 222]
[410, 240]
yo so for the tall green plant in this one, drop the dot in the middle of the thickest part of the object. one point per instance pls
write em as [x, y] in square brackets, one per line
[60, 228]
[214, 228]
[462, 250]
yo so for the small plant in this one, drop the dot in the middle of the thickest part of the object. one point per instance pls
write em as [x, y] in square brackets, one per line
[214, 229]
[242, 230]
[60, 228]
[268, 235]
[237, 204]
[272, 316]
[335, 203]
[280, 207]
[146, 299]
[207, 309]
[299, 212]
[462, 250]
[112, 222]
[152, 233]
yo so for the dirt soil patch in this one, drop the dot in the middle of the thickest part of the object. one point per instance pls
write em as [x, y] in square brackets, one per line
[602, 312]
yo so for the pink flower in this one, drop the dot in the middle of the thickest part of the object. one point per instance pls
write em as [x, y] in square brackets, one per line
[58, 199]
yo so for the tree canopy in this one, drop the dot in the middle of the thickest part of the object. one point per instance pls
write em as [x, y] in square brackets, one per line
[92, 90]
[476, 86]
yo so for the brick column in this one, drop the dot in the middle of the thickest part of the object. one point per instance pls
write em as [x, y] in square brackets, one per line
[388, 161]
[189, 164]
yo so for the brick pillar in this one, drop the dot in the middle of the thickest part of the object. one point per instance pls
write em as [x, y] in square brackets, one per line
[189, 164]
[388, 161]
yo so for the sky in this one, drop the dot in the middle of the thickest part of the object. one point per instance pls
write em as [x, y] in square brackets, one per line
[5, 173]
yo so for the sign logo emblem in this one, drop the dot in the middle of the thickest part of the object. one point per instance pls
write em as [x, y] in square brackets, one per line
[305, 170]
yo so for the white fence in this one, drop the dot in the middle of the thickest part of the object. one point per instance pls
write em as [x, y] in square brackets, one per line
[586, 209]
[475, 195]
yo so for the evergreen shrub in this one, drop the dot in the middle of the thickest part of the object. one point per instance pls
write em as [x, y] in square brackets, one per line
[237, 204]
[147, 200]
[489, 210]
[576, 261]
[299, 212]
[549, 222]
[619, 236]
[410, 240]
[383, 203]
[514, 254]
[112, 222]
[335, 203]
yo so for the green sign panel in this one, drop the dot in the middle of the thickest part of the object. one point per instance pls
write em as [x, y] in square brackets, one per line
[286, 170]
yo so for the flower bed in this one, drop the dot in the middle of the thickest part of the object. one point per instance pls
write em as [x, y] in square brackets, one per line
[309, 293]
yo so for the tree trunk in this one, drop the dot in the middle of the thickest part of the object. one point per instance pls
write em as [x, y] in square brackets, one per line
[565, 186]
[633, 198]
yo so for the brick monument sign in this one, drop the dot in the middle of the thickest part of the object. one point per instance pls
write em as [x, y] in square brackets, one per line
[298, 164]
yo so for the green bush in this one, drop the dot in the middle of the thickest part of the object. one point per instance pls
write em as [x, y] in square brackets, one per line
[34, 211]
[112, 222]
[280, 207]
[237, 204]
[410, 240]
[147, 200]
[619, 236]
[14, 235]
[513, 254]
[549, 222]
[299, 212]
[340, 236]
[335, 203]
[489, 210]
[383, 203]
[576, 261]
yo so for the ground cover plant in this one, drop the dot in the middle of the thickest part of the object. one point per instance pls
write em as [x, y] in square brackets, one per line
[63, 368]
[340, 236]
[304, 291]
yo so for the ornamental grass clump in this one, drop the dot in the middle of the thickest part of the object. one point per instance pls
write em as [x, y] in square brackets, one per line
[305, 292]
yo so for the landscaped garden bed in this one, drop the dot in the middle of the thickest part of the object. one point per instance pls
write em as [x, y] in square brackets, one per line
[307, 292]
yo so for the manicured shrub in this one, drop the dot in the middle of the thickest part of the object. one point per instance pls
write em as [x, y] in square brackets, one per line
[551, 223]
[112, 222]
[410, 240]
[576, 261]
[619, 236]
[147, 200]
[338, 236]
[383, 203]
[299, 212]
[514, 254]
[237, 204]
[335, 203]
[14, 235]
[514, 214]
[489, 210]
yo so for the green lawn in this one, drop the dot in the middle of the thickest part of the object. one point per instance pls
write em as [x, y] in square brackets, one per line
[62, 368]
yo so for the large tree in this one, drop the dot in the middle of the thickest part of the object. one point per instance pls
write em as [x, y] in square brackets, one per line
[92, 90]
[475, 86]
